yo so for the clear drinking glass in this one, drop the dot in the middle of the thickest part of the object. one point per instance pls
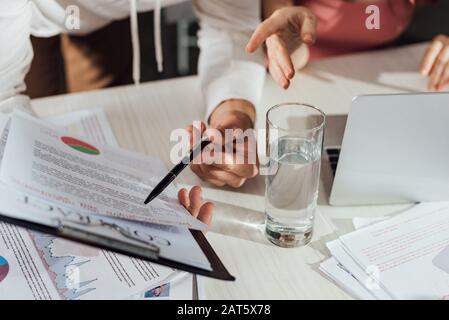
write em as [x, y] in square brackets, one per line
[294, 143]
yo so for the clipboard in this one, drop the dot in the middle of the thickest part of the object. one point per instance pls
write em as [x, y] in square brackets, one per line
[72, 229]
[145, 251]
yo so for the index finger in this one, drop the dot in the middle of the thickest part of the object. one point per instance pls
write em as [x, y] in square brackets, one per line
[430, 56]
[195, 133]
[305, 25]
[267, 28]
[206, 212]
[308, 30]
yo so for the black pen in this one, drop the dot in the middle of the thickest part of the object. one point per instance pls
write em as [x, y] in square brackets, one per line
[164, 183]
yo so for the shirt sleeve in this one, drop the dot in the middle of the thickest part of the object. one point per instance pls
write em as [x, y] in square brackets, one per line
[16, 53]
[226, 70]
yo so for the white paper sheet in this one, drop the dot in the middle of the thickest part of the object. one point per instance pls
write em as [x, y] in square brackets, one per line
[351, 277]
[3, 120]
[403, 250]
[412, 81]
[91, 123]
[53, 164]
[342, 277]
[361, 222]
[361, 275]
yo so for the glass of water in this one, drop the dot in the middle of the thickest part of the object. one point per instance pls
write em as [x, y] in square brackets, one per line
[294, 143]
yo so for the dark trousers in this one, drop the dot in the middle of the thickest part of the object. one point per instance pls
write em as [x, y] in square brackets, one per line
[100, 59]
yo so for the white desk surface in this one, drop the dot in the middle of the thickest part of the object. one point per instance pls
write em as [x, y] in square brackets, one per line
[143, 117]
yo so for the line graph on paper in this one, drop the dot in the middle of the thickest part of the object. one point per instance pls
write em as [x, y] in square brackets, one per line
[64, 261]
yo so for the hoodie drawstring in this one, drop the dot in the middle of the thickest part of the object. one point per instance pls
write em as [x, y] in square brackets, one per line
[136, 43]
[157, 36]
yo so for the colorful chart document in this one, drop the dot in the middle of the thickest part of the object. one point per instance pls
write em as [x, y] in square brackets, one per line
[174, 243]
[91, 123]
[52, 164]
[41, 266]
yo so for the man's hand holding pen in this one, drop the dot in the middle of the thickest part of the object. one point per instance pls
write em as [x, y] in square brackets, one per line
[225, 162]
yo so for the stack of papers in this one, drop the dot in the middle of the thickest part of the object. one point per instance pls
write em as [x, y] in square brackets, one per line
[40, 266]
[50, 163]
[402, 257]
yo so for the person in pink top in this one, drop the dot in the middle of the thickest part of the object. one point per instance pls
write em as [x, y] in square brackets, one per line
[313, 29]
[341, 26]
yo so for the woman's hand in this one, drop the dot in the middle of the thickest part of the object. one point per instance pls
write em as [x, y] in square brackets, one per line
[194, 203]
[435, 63]
[283, 32]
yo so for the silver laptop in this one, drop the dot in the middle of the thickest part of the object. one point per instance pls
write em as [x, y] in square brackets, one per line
[395, 149]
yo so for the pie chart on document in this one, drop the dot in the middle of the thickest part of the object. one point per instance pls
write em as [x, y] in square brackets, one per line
[80, 146]
[4, 268]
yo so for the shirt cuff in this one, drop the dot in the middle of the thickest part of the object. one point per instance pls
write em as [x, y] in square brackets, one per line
[243, 80]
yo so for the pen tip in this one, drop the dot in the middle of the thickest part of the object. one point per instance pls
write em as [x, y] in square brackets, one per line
[149, 199]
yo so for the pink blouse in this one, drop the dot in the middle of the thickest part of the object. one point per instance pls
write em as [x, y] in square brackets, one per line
[342, 25]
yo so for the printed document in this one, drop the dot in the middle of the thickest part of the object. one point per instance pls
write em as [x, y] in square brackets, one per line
[55, 165]
[92, 123]
[39, 266]
[400, 257]
[405, 252]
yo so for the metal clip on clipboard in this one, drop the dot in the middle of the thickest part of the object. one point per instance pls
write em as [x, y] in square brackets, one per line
[71, 230]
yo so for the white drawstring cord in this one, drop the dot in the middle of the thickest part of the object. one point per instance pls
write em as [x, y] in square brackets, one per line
[135, 42]
[157, 36]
